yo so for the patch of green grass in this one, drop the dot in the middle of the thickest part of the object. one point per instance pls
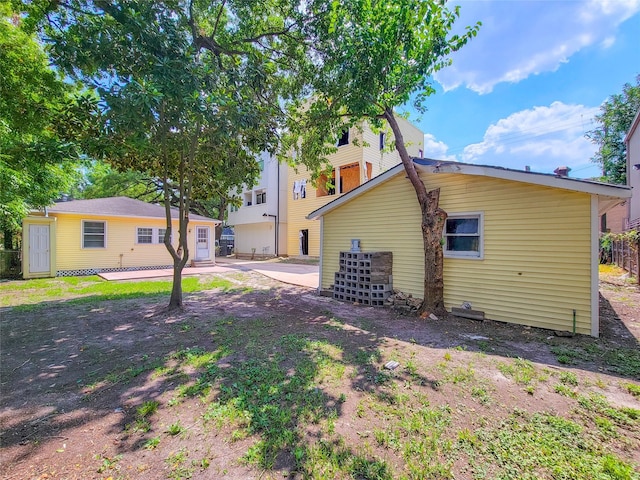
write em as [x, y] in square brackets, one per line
[148, 408]
[365, 356]
[632, 388]
[175, 429]
[597, 405]
[108, 463]
[81, 290]
[568, 378]
[460, 375]
[326, 459]
[176, 462]
[198, 357]
[139, 425]
[565, 390]
[522, 371]
[542, 446]
[124, 375]
[566, 355]
[152, 443]
[418, 435]
[623, 361]
[480, 393]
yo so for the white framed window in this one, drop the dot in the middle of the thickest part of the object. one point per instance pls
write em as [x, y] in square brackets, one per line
[261, 197]
[150, 235]
[145, 235]
[463, 235]
[160, 235]
[94, 234]
[382, 140]
[248, 199]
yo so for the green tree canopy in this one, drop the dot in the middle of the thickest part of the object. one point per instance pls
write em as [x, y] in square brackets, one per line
[614, 122]
[190, 92]
[39, 114]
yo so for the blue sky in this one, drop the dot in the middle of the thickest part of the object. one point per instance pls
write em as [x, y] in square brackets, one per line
[526, 89]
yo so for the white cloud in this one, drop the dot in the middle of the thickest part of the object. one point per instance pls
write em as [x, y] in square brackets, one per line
[543, 137]
[436, 149]
[523, 38]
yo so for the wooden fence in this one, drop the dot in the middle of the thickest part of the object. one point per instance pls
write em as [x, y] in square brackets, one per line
[627, 256]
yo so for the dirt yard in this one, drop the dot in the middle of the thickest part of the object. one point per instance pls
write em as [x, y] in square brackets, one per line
[76, 379]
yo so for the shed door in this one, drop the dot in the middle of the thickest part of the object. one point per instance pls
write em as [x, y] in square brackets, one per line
[39, 255]
[202, 243]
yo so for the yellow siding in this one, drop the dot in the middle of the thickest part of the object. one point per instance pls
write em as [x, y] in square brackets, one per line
[121, 250]
[537, 261]
[366, 150]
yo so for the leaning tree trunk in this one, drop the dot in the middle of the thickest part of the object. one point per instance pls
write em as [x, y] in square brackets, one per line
[433, 219]
[432, 224]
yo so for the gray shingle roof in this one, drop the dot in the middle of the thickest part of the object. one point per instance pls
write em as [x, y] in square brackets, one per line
[119, 207]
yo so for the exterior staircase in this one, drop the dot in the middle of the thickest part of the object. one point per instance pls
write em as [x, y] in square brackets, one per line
[202, 263]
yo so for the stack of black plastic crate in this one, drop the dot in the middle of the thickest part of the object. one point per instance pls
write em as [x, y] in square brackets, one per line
[364, 277]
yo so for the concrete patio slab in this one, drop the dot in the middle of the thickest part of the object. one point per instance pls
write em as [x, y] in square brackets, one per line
[292, 273]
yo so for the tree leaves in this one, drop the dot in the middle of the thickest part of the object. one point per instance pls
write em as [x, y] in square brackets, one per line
[39, 114]
[614, 121]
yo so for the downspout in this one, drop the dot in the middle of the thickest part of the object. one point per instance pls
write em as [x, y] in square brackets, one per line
[321, 254]
[278, 208]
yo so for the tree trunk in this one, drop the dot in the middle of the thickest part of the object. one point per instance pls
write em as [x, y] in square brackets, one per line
[433, 219]
[432, 224]
[176, 291]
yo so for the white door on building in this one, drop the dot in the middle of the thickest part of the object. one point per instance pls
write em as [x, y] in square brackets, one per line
[39, 254]
[202, 243]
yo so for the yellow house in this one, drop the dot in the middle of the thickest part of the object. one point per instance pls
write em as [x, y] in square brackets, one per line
[84, 237]
[522, 247]
[362, 155]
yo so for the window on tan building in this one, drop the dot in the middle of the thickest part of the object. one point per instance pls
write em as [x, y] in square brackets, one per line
[349, 177]
[344, 138]
[326, 185]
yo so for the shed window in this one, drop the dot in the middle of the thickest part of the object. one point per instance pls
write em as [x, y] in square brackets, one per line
[94, 234]
[463, 235]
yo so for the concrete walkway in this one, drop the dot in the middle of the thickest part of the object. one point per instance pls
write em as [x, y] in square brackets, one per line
[292, 273]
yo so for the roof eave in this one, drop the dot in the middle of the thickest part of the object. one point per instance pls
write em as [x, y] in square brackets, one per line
[118, 215]
[542, 179]
[437, 167]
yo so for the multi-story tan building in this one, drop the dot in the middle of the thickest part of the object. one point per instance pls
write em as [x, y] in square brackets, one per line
[272, 218]
[361, 156]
